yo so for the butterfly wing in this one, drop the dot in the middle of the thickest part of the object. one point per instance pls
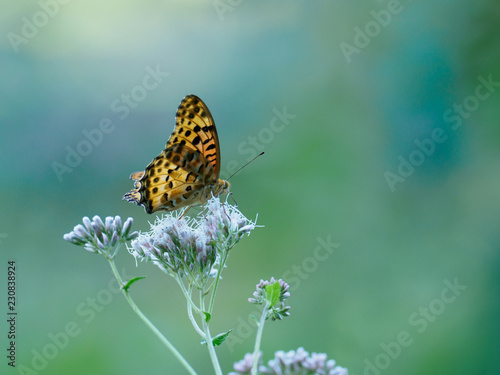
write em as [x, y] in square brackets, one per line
[174, 179]
[190, 162]
[195, 127]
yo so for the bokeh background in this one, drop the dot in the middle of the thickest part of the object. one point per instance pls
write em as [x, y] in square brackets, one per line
[357, 107]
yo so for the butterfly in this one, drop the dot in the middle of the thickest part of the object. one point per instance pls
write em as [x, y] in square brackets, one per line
[186, 173]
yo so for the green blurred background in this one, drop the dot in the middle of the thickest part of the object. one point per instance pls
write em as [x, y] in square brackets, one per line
[353, 117]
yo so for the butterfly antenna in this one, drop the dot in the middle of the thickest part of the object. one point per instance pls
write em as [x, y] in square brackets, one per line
[262, 153]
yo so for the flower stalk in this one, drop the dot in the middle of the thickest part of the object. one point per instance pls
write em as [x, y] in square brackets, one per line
[105, 238]
[194, 251]
[150, 325]
[258, 339]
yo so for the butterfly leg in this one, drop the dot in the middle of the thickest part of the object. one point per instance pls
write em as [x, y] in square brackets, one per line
[223, 204]
[185, 212]
[203, 205]
[234, 200]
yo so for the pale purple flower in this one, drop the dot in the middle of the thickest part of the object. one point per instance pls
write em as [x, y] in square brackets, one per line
[274, 302]
[192, 247]
[297, 362]
[245, 365]
[101, 237]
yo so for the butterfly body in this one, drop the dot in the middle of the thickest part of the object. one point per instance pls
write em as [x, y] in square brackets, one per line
[187, 172]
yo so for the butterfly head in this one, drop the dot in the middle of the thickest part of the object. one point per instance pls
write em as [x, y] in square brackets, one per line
[221, 187]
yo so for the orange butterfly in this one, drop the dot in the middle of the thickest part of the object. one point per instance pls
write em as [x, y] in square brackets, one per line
[187, 172]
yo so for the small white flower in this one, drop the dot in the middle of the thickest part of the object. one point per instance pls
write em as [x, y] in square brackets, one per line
[245, 365]
[97, 237]
[192, 247]
[292, 363]
[276, 309]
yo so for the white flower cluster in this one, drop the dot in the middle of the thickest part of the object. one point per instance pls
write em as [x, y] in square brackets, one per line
[101, 237]
[192, 247]
[291, 363]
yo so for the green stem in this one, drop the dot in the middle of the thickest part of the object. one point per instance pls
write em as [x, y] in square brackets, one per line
[208, 337]
[216, 283]
[258, 339]
[148, 323]
[186, 293]
[190, 304]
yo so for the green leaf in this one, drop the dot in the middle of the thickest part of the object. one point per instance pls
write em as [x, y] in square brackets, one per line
[255, 319]
[273, 293]
[131, 281]
[207, 316]
[219, 339]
